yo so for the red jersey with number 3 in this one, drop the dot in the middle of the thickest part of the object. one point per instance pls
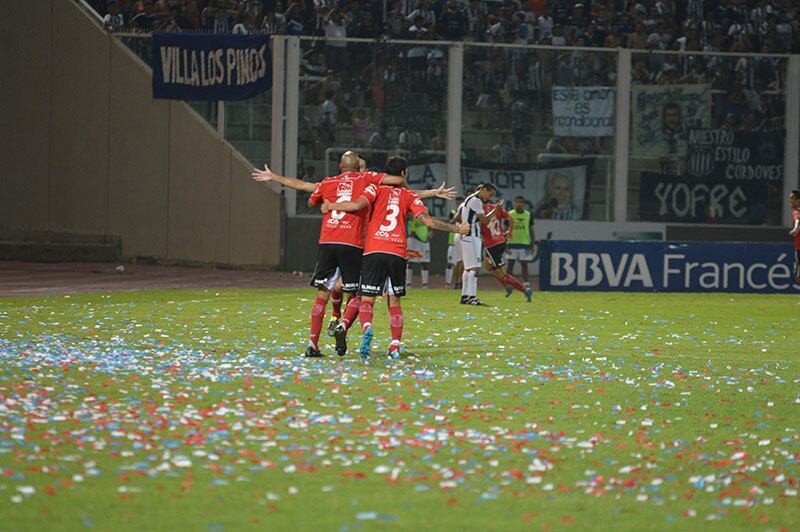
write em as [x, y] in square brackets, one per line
[386, 230]
[796, 217]
[344, 227]
[494, 232]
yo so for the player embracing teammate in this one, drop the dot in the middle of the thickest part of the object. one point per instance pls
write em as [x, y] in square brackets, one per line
[341, 238]
[383, 268]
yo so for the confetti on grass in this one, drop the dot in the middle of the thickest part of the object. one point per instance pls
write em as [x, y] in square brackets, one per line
[679, 416]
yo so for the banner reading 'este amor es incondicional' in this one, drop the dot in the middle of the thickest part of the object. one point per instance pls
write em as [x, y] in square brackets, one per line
[210, 67]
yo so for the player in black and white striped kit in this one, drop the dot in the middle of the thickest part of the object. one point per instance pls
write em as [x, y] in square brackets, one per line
[472, 213]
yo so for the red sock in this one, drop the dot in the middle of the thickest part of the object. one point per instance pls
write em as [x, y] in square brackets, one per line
[512, 281]
[351, 311]
[336, 303]
[365, 314]
[317, 313]
[396, 324]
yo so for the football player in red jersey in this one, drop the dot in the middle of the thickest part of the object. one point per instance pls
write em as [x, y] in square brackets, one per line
[384, 265]
[341, 236]
[494, 242]
[794, 203]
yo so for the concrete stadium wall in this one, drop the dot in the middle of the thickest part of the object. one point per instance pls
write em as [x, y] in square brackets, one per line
[87, 150]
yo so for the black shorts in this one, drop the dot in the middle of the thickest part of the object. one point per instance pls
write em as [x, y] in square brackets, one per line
[377, 269]
[330, 257]
[797, 264]
[496, 255]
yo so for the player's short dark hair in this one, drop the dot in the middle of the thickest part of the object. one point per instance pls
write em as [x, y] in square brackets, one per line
[795, 193]
[520, 198]
[396, 164]
[487, 186]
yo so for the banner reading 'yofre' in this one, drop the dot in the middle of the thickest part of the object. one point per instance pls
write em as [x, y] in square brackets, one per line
[583, 111]
[210, 67]
[670, 198]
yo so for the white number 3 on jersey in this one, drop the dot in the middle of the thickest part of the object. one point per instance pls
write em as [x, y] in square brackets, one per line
[391, 218]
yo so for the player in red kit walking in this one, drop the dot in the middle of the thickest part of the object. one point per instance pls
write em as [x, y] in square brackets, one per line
[384, 264]
[794, 203]
[494, 242]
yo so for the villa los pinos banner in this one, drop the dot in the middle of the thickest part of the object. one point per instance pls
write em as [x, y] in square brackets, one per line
[583, 111]
[553, 191]
[210, 67]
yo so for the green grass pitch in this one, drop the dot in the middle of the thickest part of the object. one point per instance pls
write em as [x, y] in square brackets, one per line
[191, 410]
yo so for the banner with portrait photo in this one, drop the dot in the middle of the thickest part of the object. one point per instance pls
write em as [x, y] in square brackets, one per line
[663, 115]
[583, 111]
[555, 191]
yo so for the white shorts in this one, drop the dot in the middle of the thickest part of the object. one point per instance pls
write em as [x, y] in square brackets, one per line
[520, 254]
[423, 248]
[471, 252]
[454, 257]
[451, 255]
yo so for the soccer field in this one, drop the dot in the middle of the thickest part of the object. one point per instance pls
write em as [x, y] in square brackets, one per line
[193, 410]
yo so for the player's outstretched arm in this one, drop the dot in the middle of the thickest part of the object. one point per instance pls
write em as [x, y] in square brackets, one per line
[345, 206]
[267, 175]
[441, 192]
[485, 218]
[441, 225]
[394, 180]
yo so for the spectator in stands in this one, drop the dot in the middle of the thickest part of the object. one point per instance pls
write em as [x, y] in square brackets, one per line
[428, 20]
[395, 26]
[335, 26]
[641, 75]
[410, 139]
[520, 124]
[355, 16]
[380, 140]
[331, 83]
[143, 20]
[114, 21]
[503, 151]
[476, 13]
[638, 39]
[294, 22]
[221, 22]
[328, 116]
[452, 24]
[360, 125]
[246, 26]
[310, 174]
[270, 25]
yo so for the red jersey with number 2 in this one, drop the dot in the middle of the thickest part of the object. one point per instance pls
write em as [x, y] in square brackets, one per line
[386, 230]
[340, 227]
[494, 232]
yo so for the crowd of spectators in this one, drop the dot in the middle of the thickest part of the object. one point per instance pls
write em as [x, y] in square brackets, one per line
[768, 26]
[505, 88]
